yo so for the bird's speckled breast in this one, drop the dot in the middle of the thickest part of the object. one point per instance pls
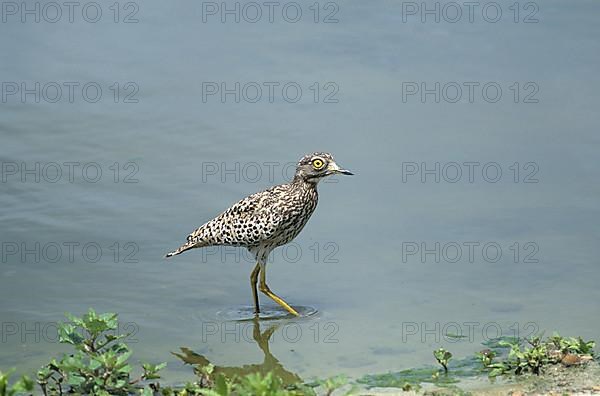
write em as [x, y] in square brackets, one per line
[298, 206]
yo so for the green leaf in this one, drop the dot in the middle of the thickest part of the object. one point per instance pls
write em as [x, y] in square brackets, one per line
[122, 359]
[496, 372]
[67, 334]
[146, 392]
[210, 392]
[222, 386]
[75, 380]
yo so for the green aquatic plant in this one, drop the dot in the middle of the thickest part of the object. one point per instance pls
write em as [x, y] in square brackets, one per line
[573, 345]
[22, 385]
[249, 384]
[486, 357]
[535, 356]
[520, 360]
[411, 377]
[443, 357]
[259, 385]
[529, 359]
[497, 344]
[503, 356]
[331, 384]
[99, 364]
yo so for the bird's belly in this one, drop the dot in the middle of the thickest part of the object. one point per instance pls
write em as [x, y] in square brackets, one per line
[285, 238]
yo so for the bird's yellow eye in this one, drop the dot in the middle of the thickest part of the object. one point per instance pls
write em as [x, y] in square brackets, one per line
[318, 163]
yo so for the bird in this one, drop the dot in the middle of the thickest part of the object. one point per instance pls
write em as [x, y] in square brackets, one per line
[267, 219]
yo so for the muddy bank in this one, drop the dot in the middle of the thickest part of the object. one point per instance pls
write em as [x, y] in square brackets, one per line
[555, 380]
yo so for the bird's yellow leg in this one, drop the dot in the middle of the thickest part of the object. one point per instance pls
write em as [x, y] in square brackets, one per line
[253, 282]
[265, 289]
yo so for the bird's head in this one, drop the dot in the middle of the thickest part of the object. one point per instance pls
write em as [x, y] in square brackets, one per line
[314, 167]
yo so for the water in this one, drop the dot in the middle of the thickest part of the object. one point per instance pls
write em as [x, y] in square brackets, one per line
[167, 162]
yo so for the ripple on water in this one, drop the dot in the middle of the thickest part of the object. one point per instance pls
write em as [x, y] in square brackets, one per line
[246, 313]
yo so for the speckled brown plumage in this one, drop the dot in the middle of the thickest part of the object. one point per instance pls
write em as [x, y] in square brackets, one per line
[270, 218]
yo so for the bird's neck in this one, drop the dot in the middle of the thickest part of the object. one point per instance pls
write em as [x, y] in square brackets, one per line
[302, 183]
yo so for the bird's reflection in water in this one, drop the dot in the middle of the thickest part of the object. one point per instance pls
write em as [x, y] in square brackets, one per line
[270, 363]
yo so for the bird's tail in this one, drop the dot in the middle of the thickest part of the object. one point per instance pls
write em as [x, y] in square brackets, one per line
[181, 249]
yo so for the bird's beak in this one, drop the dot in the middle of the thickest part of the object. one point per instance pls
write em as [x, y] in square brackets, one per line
[334, 168]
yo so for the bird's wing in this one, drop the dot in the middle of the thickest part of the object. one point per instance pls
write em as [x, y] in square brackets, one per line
[250, 220]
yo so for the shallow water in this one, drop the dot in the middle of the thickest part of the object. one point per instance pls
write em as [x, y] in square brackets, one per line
[171, 161]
